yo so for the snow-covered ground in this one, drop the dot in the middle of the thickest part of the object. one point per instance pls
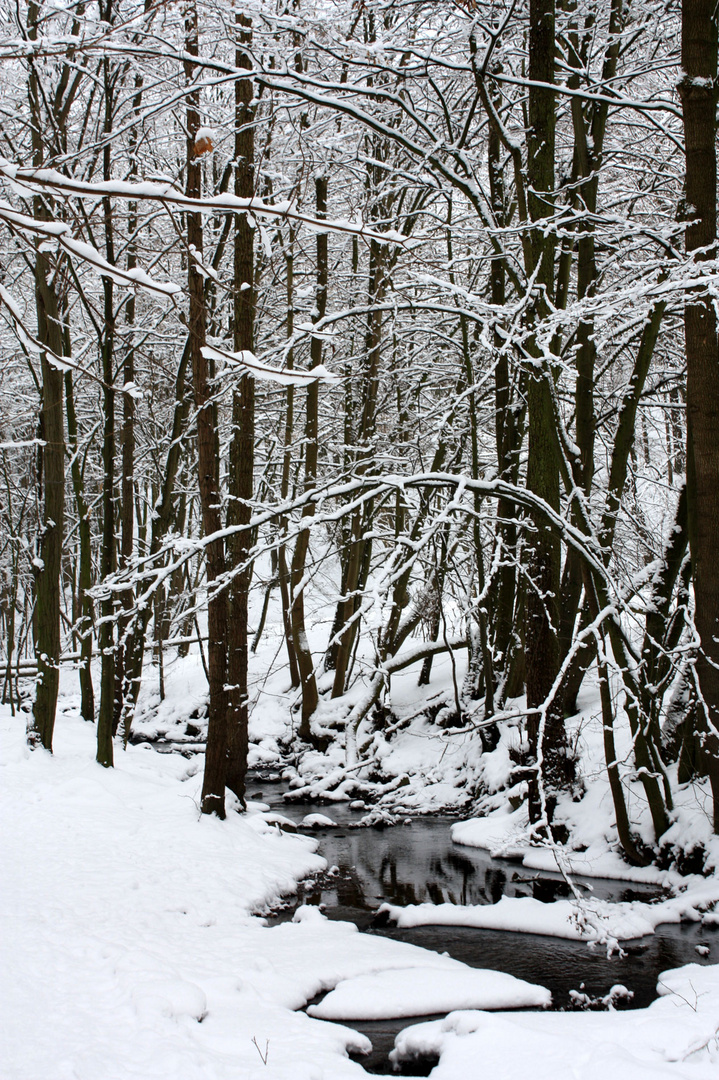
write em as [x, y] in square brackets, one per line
[129, 949]
[128, 945]
[675, 1037]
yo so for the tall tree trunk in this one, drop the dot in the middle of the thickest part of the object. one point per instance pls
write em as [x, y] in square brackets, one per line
[84, 578]
[547, 739]
[303, 652]
[698, 89]
[508, 437]
[283, 571]
[163, 509]
[126, 641]
[208, 453]
[106, 636]
[51, 457]
[359, 545]
[48, 563]
[241, 472]
[589, 123]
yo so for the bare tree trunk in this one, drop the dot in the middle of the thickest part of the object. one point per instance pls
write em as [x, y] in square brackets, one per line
[51, 456]
[358, 544]
[84, 600]
[303, 652]
[283, 572]
[208, 451]
[241, 472]
[106, 636]
[589, 124]
[508, 438]
[47, 578]
[126, 641]
[163, 509]
[698, 90]
[547, 738]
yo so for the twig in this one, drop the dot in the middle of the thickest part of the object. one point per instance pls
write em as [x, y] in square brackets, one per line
[267, 1049]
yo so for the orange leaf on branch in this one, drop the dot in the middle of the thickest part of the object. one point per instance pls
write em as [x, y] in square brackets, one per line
[203, 142]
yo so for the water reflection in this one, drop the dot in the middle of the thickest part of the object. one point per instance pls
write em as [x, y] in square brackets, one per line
[418, 863]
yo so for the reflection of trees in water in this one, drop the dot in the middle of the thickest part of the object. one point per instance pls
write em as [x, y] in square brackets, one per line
[670, 953]
[495, 884]
[394, 885]
[395, 867]
[547, 890]
[351, 892]
[404, 878]
[420, 864]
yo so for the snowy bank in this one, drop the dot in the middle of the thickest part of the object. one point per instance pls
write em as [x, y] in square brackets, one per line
[507, 835]
[676, 1037]
[586, 920]
[128, 942]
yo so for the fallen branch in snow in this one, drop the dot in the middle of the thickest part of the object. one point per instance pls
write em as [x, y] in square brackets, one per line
[267, 1049]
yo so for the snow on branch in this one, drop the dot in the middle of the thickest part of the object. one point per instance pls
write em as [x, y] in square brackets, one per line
[60, 232]
[351, 494]
[10, 311]
[285, 376]
[58, 184]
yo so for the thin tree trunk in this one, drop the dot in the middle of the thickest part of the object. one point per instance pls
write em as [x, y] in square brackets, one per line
[125, 640]
[508, 435]
[303, 652]
[359, 546]
[84, 582]
[106, 636]
[283, 572]
[163, 508]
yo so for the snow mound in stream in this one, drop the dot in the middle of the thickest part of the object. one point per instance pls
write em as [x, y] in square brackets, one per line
[421, 991]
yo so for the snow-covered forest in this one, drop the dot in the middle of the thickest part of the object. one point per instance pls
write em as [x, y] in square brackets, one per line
[359, 434]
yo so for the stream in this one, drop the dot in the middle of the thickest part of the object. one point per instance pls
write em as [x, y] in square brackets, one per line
[418, 862]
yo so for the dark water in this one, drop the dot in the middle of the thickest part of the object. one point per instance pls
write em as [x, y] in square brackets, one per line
[416, 863]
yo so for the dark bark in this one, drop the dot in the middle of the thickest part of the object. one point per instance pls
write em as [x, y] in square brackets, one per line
[508, 437]
[551, 767]
[51, 456]
[621, 451]
[663, 626]
[46, 621]
[208, 453]
[630, 845]
[108, 554]
[359, 548]
[164, 507]
[126, 643]
[698, 89]
[357, 553]
[241, 464]
[589, 121]
[283, 570]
